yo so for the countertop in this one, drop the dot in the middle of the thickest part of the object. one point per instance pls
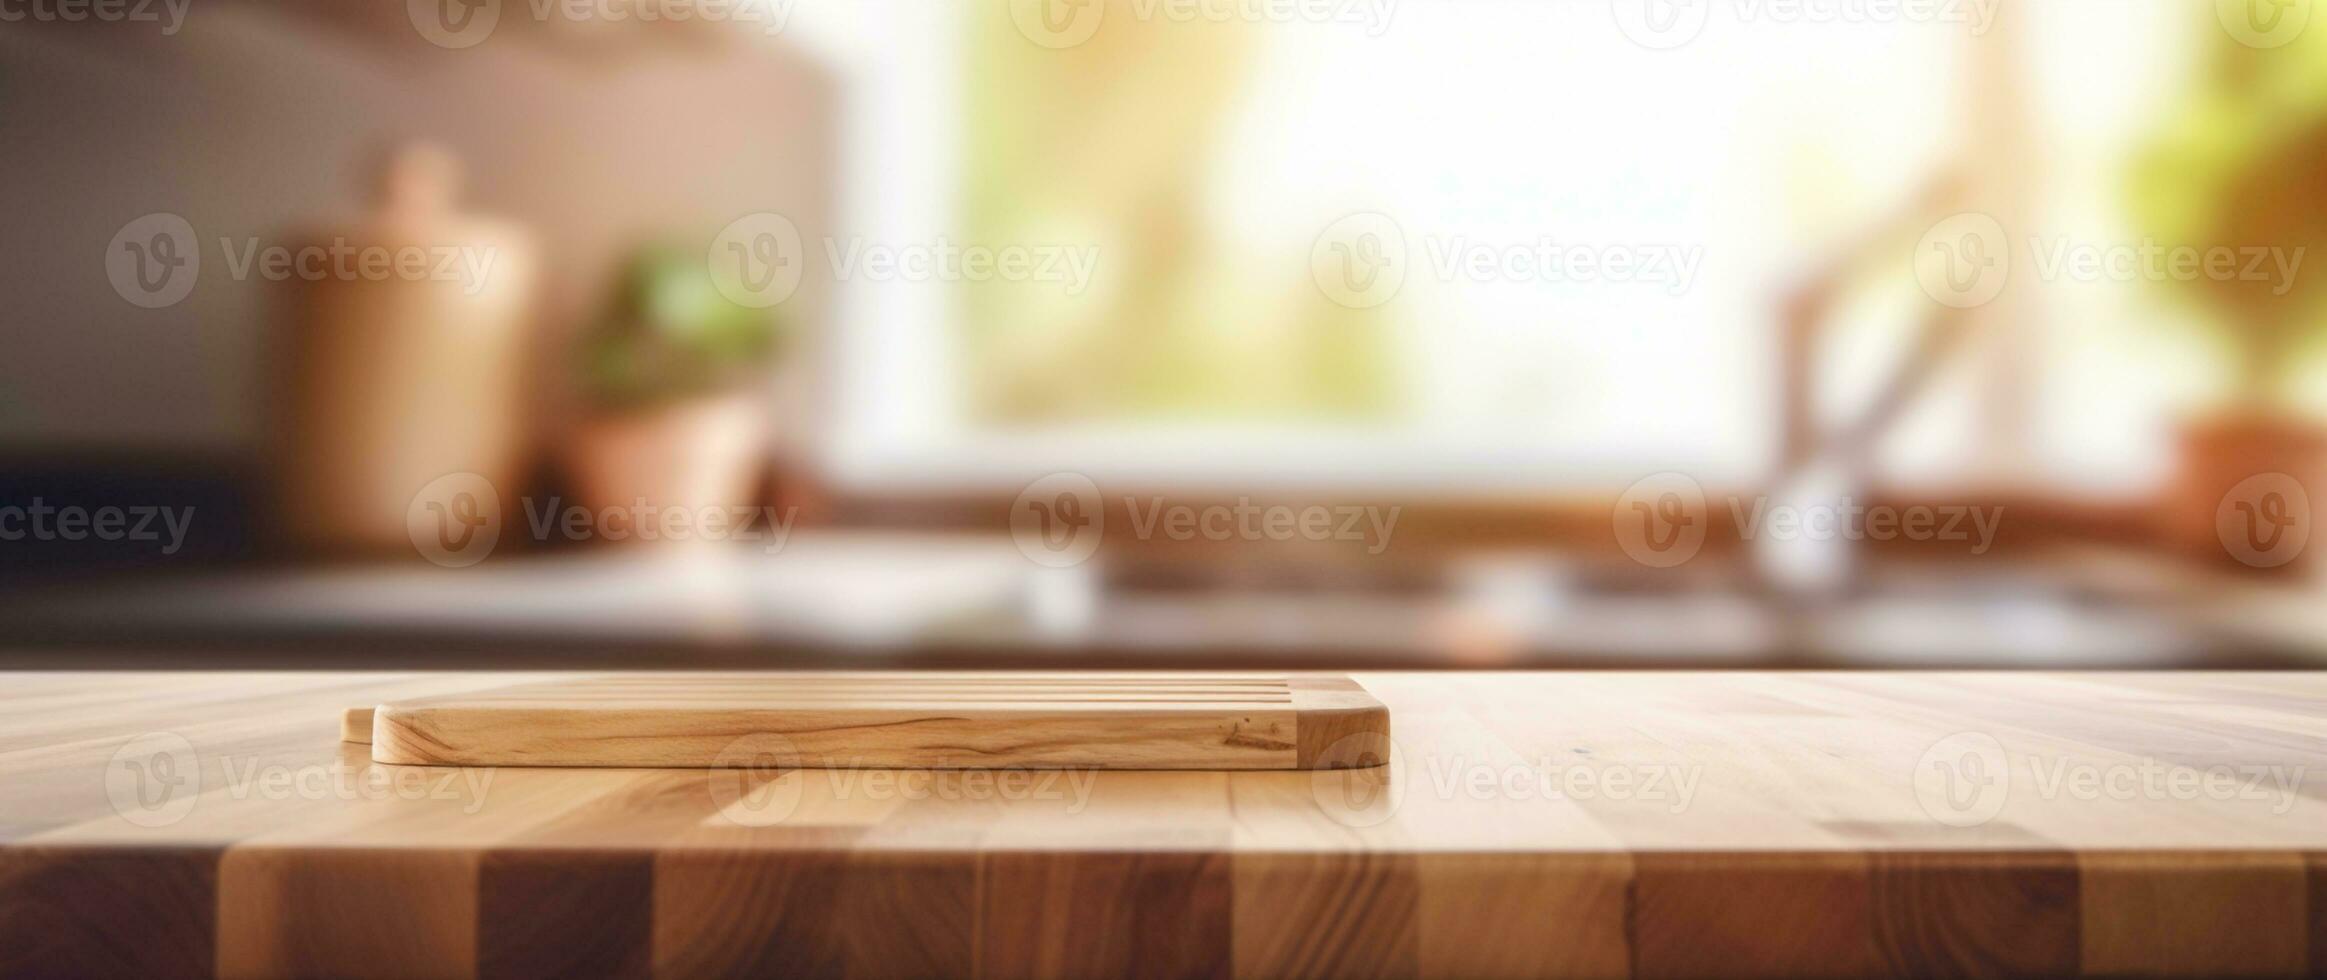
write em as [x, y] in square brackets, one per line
[1531, 823]
[897, 601]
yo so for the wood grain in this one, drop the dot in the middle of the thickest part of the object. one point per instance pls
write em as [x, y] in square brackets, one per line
[1326, 915]
[1527, 825]
[105, 911]
[1158, 914]
[1777, 914]
[1974, 913]
[2196, 913]
[359, 912]
[562, 914]
[856, 721]
[1525, 915]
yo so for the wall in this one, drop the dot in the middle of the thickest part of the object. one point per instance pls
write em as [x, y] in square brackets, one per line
[254, 121]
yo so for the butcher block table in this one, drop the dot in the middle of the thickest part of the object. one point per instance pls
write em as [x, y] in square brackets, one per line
[1527, 824]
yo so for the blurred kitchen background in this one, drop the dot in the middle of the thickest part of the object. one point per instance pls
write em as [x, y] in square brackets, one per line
[1163, 333]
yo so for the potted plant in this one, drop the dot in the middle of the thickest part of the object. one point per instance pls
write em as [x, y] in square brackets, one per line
[673, 374]
[2241, 170]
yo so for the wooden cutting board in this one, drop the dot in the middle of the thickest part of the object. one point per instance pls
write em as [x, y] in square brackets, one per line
[886, 721]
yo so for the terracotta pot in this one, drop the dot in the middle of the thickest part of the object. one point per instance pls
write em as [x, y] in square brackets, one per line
[2250, 493]
[694, 456]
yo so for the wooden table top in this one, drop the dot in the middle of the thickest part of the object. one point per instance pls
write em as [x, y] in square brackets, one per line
[1531, 824]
